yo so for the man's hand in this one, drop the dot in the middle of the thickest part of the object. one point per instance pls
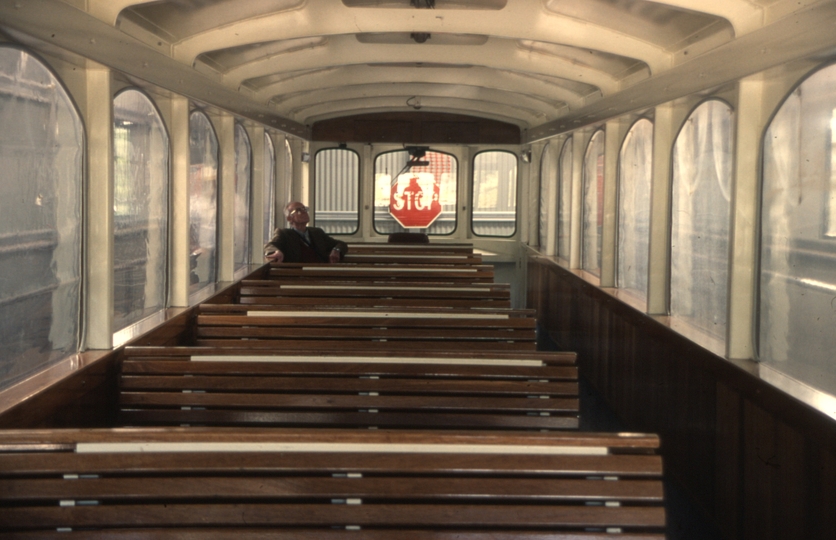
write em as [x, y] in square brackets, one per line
[334, 257]
[275, 256]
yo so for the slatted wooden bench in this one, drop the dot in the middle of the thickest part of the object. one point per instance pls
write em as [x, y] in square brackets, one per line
[326, 292]
[266, 329]
[359, 485]
[179, 385]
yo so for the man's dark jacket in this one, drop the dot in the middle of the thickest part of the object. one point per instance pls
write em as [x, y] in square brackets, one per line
[290, 243]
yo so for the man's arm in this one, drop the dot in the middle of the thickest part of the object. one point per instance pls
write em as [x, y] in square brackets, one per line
[273, 251]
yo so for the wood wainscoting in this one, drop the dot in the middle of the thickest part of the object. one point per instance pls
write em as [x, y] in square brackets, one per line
[760, 463]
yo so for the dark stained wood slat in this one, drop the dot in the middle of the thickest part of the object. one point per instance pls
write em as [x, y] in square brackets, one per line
[313, 302]
[404, 489]
[167, 365]
[337, 419]
[377, 292]
[363, 515]
[263, 463]
[391, 258]
[389, 322]
[341, 385]
[289, 345]
[337, 401]
[328, 534]
[393, 334]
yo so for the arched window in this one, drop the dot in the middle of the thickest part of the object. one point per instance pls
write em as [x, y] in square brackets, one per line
[564, 202]
[547, 188]
[392, 177]
[243, 178]
[337, 190]
[269, 188]
[700, 215]
[797, 312]
[593, 204]
[635, 164]
[41, 156]
[140, 208]
[203, 201]
[494, 194]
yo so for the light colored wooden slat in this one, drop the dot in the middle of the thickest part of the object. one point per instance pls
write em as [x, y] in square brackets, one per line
[238, 447]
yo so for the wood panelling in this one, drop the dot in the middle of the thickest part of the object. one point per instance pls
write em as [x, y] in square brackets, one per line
[416, 127]
[757, 461]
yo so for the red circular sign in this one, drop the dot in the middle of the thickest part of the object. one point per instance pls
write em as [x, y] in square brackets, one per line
[412, 207]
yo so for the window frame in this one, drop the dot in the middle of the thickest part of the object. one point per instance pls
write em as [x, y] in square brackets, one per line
[473, 192]
[316, 206]
[455, 191]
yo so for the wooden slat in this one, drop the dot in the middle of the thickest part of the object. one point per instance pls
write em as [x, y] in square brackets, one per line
[229, 533]
[141, 365]
[364, 515]
[339, 401]
[338, 419]
[460, 489]
[343, 345]
[547, 357]
[359, 301]
[343, 385]
[393, 322]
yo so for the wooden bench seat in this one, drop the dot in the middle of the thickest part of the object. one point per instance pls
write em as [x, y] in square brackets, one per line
[273, 328]
[158, 386]
[256, 483]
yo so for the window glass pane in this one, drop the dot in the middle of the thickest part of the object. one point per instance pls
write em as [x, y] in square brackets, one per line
[495, 194]
[41, 156]
[337, 190]
[700, 211]
[593, 204]
[546, 190]
[140, 209]
[564, 202]
[798, 248]
[440, 177]
[269, 189]
[203, 200]
[243, 176]
[634, 173]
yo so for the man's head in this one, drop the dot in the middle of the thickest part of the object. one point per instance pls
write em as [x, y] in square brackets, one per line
[297, 216]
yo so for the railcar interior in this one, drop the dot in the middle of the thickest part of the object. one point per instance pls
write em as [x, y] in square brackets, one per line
[655, 179]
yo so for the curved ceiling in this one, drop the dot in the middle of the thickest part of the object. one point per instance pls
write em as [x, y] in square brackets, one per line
[532, 63]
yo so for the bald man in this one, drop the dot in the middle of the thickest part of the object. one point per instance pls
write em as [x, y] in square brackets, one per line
[300, 243]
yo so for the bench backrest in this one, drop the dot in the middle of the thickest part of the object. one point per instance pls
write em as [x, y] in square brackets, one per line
[166, 483]
[417, 391]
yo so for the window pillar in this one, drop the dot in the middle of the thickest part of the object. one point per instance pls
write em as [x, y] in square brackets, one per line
[225, 126]
[612, 146]
[744, 231]
[257, 194]
[178, 125]
[99, 190]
